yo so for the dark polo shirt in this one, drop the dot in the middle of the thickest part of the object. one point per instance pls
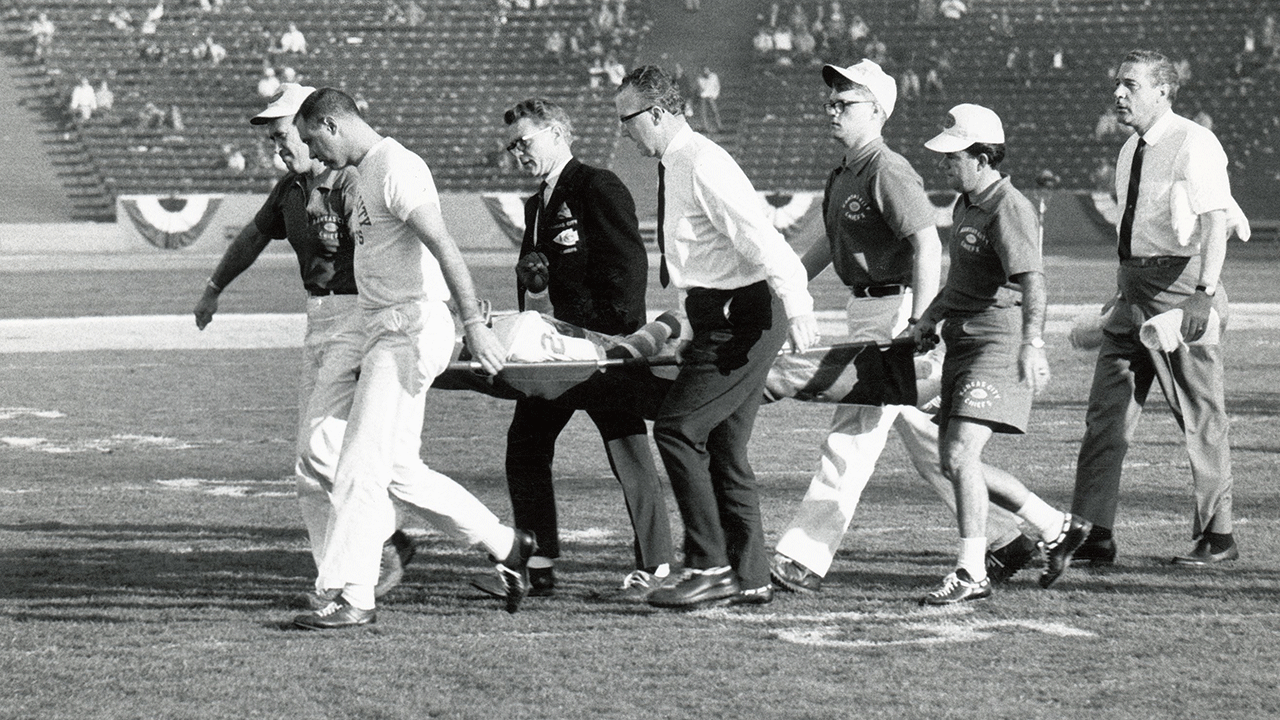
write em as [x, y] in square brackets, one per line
[311, 211]
[872, 204]
[995, 235]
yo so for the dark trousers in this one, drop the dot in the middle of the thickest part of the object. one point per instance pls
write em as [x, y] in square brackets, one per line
[531, 446]
[1192, 380]
[705, 423]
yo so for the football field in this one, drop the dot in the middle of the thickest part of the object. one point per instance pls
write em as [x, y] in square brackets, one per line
[149, 541]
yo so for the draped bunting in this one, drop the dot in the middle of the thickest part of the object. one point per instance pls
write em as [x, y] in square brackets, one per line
[171, 222]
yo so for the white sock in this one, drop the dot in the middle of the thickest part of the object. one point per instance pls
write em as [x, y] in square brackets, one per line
[359, 597]
[973, 557]
[662, 570]
[1043, 517]
[538, 562]
[499, 544]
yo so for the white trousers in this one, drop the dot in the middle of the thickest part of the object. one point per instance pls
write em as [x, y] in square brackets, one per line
[404, 348]
[333, 323]
[856, 438]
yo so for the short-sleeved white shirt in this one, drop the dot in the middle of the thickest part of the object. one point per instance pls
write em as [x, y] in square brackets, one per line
[392, 266]
[1184, 175]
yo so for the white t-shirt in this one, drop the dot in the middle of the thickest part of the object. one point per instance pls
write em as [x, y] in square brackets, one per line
[392, 266]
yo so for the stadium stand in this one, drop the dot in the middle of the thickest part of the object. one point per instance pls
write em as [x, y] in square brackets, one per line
[439, 83]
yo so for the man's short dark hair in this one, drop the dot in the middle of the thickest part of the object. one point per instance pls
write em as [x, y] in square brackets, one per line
[993, 151]
[327, 102]
[656, 86]
[1163, 71]
[542, 110]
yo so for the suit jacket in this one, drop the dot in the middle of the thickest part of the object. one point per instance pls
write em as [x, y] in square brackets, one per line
[596, 257]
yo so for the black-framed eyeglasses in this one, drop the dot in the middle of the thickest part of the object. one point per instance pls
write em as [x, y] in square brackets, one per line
[838, 106]
[521, 144]
[626, 118]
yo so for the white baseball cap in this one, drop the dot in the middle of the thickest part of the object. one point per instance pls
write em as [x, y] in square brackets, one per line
[870, 76]
[968, 124]
[284, 103]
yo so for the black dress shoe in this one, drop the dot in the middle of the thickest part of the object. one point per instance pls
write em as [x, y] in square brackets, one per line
[791, 575]
[1204, 555]
[695, 588]
[397, 552]
[514, 570]
[1096, 552]
[1057, 554]
[1004, 562]
[542, 582]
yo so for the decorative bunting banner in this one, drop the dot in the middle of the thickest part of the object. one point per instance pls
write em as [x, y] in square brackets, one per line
[171, 222]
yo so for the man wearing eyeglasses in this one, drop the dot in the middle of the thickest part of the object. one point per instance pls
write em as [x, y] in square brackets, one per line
[583, 252]
[881, 238]
[744, 292]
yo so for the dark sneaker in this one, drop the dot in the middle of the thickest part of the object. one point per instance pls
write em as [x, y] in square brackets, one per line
[1203, 555]
[514, 571]
[791, 575]
[314, 599]
[1005, 562]
[337, 614]
[762, 595]
[397, 552]
[639, 584]
[957, 587]
[1057, 554]
[696, 588]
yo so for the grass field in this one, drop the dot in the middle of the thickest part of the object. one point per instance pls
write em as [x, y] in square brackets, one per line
[149, 537]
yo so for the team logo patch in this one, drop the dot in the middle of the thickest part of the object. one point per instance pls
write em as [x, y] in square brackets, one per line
[972, 239]
[856, 208]
[329, 228]
[978, 394]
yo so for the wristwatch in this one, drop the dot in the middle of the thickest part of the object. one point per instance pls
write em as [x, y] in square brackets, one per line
[1037, 343]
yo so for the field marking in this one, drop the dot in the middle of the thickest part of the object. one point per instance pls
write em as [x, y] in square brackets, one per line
[101, 445]
[921, 627]
[230, 488]
[11, 413]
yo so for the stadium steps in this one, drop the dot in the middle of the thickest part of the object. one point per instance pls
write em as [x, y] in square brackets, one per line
[59, 182]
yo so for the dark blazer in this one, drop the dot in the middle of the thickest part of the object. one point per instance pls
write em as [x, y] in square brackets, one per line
[597, 260]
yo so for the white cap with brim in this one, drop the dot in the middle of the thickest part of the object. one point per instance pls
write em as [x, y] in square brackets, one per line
[870, 76]
[968, 124]
[284, 103]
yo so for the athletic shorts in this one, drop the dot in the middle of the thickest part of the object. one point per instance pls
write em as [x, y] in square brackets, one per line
[980, 371]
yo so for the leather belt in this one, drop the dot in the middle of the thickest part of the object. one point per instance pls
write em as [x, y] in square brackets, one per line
[326, 293]
[876, 291]
[1155, 261]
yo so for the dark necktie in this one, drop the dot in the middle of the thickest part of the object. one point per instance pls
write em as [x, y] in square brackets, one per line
[542, 210]
[663, 276]
[1131, 202]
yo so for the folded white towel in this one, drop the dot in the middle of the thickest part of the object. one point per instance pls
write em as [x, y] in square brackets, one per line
[1164, 331]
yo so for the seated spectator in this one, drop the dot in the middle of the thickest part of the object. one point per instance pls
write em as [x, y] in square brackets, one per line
[1059, 59]
[151, 116]
[1108, 126]
[953, 9]
[289, 75]
[858, 29]
[217, 53]
[763, 41]
[152, 22]
[1103, 176]
[877, 51]
[268, 84]
[1204, 120]
[414, 14]
[175, 119]
[614, 71]
[555, 45]
[233, 159]
[293, 41]
[806, 44]
[782, 44]
[83, 100]
[104, 97]
[909, 84]
[120, 19]
[41, 31]
[596, 73]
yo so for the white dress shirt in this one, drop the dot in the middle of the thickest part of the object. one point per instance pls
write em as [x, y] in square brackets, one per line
[716, 232]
